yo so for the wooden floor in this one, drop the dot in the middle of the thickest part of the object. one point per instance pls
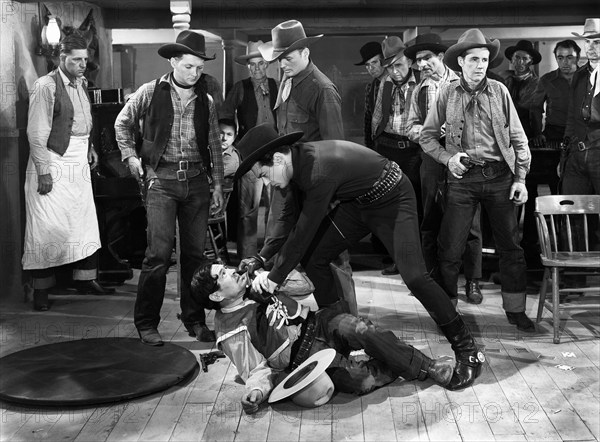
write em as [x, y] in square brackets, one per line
[530, 389]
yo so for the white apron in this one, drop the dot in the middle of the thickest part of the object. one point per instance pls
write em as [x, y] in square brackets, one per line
[61, 226]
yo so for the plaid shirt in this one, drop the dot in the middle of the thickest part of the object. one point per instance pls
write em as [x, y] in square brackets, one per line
[432, 89]
[182, 143]
[398, 117]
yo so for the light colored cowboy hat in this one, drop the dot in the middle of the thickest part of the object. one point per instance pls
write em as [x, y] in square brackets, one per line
[251, 52]
[259, 141]
[425, 42]
[591, 29]
[526, 46]
[187, 42]
[393, 48]
[471, 38]
[286, 37]
[308, 385]
[368, 51]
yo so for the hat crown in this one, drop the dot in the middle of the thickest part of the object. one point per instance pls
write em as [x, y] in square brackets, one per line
[256, 137]
[392, 46]
[524, 45]
[591, 26]
[252, 48]
[430, 38]
[473, 36]
[287, 33]
[370, 50]
[192, 40]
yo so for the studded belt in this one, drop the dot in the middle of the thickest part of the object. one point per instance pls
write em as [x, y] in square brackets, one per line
[388, 180]
[301, 348]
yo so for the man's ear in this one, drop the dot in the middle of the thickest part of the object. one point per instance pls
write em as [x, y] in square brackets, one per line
[461, 61]
[216, 297]
[278, 158]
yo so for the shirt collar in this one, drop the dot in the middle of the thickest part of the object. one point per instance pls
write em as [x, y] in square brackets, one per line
[67, 81]
[480, 87]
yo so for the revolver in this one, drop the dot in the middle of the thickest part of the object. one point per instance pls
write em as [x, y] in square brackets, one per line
[469, 162]
[209, 358]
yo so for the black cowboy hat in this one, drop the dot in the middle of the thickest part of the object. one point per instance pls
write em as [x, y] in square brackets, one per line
[259, 141]
[286, 37]
[526, 46]
[368, 51]
[425, 42]
[471, 38]
[187, 42]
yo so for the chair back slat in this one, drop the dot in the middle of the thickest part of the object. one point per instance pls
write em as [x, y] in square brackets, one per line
[563, 223]
[569, 233]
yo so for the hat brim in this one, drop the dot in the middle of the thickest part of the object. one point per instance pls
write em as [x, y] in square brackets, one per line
[454, 51]
[411, 51]
[242, 59]
[297, 380]
[596, 35]
[170, 49]
[388, 61]
[271, 54]
[535, 55]
[250, 160]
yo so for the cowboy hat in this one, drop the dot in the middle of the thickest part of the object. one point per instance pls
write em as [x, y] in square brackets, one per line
[368, 51]
[251, 52]
[591, 29]
[187, 42]
[425, 42]
[259, 141]
[471, 38]
[392, 47]
[286, 37]
[526, 46]
[308, 385]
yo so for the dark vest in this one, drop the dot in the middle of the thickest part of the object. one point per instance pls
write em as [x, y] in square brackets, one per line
[62, 116]
[158, 122]
[247, 111]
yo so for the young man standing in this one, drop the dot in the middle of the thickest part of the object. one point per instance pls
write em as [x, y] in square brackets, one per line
[481, 124]
[181, 155]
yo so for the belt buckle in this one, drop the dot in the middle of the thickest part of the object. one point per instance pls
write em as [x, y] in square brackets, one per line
[183, 165]
[402, 144]
[581, 146]
[181, 175]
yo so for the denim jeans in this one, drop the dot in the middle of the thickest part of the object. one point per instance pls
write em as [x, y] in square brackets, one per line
[393, 219]
[168, 201]
[582, 172]
[433, 177]
[462, 199]
[390, 357]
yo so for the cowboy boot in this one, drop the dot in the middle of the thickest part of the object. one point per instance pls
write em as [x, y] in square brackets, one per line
[438, 370]
[468, 358]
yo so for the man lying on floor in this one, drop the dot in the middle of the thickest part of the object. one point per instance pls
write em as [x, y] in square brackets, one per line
[266, 336]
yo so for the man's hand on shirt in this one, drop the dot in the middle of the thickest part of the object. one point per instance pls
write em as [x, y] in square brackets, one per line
[518, 193]
[456, 168]
[251, 264]
[92, 158]
[135, 167]
[251, 401]
[44, 184]
[262, 283]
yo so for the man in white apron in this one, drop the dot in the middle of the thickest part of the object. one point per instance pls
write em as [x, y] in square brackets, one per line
[62, 227]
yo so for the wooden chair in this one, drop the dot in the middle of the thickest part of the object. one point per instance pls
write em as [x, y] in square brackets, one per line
[217, 230]
[564, 223]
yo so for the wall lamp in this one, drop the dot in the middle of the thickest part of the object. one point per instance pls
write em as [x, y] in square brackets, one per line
[49, 40]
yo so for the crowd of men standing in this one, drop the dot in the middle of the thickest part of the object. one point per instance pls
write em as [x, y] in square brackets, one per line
[463, 139]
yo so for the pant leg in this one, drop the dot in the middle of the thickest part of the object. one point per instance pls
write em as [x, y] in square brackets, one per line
[472, 255]
[432, 173]
[462, 200]
[394, 219]
[86, 269]
[250, 189]
[392, 357]
[192, 216]
[338, 230]
[505, 230]
[161, 210]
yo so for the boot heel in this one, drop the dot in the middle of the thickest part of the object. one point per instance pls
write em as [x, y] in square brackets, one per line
[40, 300]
